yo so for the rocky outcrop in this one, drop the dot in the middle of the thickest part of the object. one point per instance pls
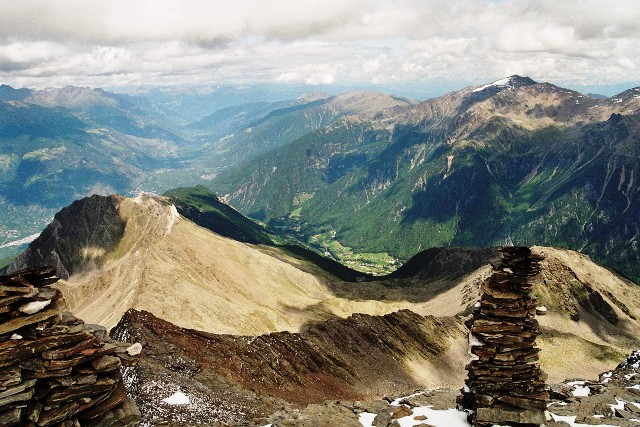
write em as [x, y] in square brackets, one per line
[236, 379]
[505, 382]
[55, 370]
[77, 238]
[613, 399]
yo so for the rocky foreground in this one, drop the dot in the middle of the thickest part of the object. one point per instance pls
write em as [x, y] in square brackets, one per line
[241, 380]
[187, 378]
[612, 400]
[55, 370]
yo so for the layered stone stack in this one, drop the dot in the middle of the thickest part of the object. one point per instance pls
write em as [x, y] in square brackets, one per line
[55, 370]
[505, 384]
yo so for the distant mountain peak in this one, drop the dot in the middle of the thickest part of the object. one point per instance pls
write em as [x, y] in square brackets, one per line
[313, 96]
[8, 93]
[71, 97]
[511, 82]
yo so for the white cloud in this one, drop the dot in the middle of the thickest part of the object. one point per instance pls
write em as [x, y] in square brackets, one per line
[118, 42]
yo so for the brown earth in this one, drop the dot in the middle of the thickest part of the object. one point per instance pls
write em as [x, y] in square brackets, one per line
[358, 358]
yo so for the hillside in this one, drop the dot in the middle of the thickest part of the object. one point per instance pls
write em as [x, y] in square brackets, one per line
[148, 257]
[321, 370]
[514, 161]
[205, 208]
[281, 123]
[119, 254]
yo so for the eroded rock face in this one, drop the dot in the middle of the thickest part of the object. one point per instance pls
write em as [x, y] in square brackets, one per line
[242, 380]
[54, 368]
[505, 382]
[77, 237]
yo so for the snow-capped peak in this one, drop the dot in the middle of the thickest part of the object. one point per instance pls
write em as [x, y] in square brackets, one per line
[507, 82]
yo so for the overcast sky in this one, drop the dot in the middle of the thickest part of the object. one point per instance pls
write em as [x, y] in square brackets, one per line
[400, 43]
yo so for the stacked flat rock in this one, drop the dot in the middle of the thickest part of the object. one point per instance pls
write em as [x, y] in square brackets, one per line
[55, 370]
[505, 384]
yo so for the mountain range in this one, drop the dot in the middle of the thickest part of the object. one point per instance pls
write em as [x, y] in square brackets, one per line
[513, 161]
[313, 253]
[58, 145]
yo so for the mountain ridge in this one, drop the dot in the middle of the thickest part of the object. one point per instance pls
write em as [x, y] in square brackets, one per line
[444, 172]
[163, 261]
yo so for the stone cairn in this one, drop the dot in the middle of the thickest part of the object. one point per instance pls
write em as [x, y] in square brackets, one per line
[505, 384]
[55, 370]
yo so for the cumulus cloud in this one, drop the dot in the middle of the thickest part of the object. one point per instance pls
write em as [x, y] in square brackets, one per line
[317, 42]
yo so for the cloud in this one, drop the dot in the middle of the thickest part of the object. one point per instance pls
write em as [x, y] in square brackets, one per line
[58, 42]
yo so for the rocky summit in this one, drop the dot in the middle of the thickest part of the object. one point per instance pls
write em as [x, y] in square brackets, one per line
[505, 383]
[55, 370]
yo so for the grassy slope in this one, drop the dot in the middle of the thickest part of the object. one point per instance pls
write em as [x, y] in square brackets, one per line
[202, 206]
[568, 187]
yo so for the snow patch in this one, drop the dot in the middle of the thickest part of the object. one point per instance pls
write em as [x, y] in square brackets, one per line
[581, 391]
[633, 360]
[177, 398]
[474, 341]
[34, 306]
[619, 405]
[497, 83]
[436, 418]
[366, 419]
[16, 337]
[400, 399]
[557, 403]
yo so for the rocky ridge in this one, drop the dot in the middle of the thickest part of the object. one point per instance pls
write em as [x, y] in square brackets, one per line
[98, 229]
[612, 399]
[242, 380]
[55, 370]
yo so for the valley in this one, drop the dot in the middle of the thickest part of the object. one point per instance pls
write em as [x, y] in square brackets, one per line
[513, 161]
[246, 329]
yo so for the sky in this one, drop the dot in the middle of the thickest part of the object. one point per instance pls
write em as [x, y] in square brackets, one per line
[404, 45]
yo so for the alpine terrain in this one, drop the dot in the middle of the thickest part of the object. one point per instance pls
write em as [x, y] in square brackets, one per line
[510, 161]
[319, 260]
[241, 330]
